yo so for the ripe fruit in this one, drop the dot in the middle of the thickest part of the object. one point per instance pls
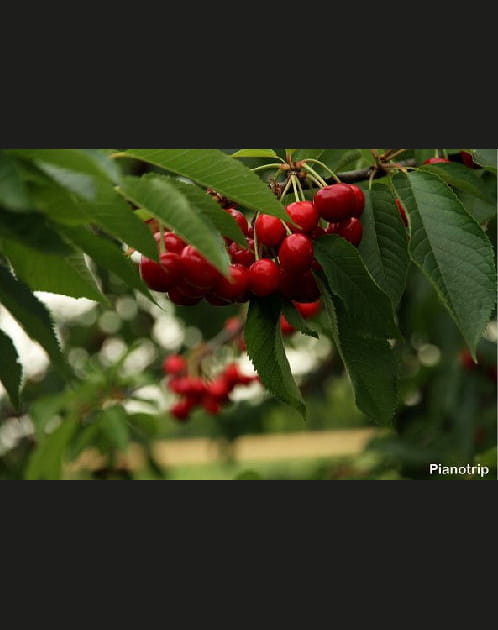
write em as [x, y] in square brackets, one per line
[285, 327]
[351, 230]
[211, 405]
[263, 277]
[219, 388]
[436, 160]
[402, 212]
[198, 271]
[178, 298]
[172, 242]
[336, 202]
[304, 214]
[181, 410]
[174, 365]
[235, 288]
[359, 207]
[468, 160]
[269, 230]
[242, 256]
[296, 253]
[308, 310]
[161, 277]
[241, 220]
[305, 288]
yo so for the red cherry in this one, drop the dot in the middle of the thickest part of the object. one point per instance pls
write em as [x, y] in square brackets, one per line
[296, 253]
[156, 277]
[359, 200]
[196, 388]
[436, 160]
[305, 288]
[241, 220]
[181, 410]
[402, 212]
[468, 160]
[241, 256]
[317, 232]
[308, 310]
[270, 230]
[173, 243]
[216, 301]
[285, 327]
[263, 277]
[336, 202]
[304, 214]
[466, 360]
[351, 230]
[198, 271]
[235, 287]
[171, 264]
[174, 365]
[232, 324]
[180, 299]
[219, 388]
[180, 385]
[211, 405]
[231, 374]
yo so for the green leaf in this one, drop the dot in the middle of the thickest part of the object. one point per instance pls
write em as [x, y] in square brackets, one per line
[109, 256]
[82, 185]
[421, 155]
[266, 350]
[77, 160]
[384, 248]
[13, 191]
[113, 421]
[481, 210]
[461, 177]
[47, 459]
[295, 319]
[31, 228]
[222, 221]
[43, 272]
[32, 315]
[451, 250]
[255, 153]
[369, 362]
[216, 170]
[10, 368]
[167, 203]
[486, 158]
[368, 307]
[305, 154]
[109, 211]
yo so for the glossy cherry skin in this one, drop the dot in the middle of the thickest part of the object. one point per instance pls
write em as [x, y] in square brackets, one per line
[351, 230]
[180, 299]
[242, 256]
[241, 220]
[269, 230]
[296, 253]
[436, 160]
[172, 242]
[220, 388]
[197, 270]
[359, 207]
[263, 277]
[300, 287]
[161, 276]
[234, 288]
[402, 212]
[181, 410]
[211, 405]
[304, 214]
[336, 202]
[308, 310]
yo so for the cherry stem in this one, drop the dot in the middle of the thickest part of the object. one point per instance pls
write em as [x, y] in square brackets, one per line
[313, 179]
[296, 194]
[286, 188]
[266, 167]
[162, 244]
[256, 241]
[329, 170]
[323, 183]
[301, 192]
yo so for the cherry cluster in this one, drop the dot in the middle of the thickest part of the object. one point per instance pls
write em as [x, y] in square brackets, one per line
[194, 391]
[278, 256]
